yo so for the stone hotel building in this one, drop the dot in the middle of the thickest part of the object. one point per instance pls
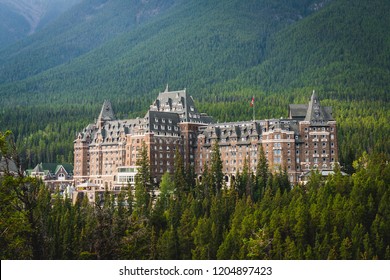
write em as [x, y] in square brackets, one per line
[105, 152]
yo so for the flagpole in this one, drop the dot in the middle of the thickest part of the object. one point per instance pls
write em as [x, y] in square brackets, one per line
[253, 110]
[253, 106]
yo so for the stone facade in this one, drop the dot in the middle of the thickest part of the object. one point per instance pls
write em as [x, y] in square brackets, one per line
[306, 140]
[53, 175]
[171, 123]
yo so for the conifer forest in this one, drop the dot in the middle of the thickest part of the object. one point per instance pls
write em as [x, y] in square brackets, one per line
[260, 217]
[54, 81]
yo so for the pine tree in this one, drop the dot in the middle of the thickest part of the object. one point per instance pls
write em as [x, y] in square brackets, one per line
[201, 235]
[167, 245]
[187, 225]
[167, 189]
[24, 193]
[143, 185]
[179, 180]
[216, 168]
[261, 175]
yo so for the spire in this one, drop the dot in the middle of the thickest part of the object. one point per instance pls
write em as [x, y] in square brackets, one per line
[314, 96]
[106, 114]
[314, 110]
[166, 89]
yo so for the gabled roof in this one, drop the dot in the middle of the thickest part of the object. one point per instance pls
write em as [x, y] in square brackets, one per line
[68, 168]
[298, 111]
[51, 168]
[38, 168]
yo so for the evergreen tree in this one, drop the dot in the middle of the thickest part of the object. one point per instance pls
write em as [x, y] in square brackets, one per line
[261, 174]
[135, 244]
[167, 246]
[187, 225]
[143, 185]
[24, 194]
[179, 180]
[201, 235]
[216, 169]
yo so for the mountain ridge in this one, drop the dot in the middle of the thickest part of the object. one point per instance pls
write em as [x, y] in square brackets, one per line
[163, 30]
[77, 32]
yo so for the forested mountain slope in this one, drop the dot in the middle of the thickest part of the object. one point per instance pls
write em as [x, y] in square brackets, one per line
[344, 48]
[223, 52]
[193, 44]
[78, 31]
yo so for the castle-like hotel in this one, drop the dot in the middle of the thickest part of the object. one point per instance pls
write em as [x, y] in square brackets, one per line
[105, 152]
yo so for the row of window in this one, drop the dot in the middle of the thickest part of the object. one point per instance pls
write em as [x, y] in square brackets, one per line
[162, 127]
[162, 120]
[319, 129]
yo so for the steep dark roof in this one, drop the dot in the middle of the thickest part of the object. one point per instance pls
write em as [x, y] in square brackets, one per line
[298, 111]
[181, 103]
[163, 122]
[312, 112]
[107, 113]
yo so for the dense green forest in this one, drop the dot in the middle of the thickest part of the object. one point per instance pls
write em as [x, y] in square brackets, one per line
[46, 134]
[259, 217]
[54, 82]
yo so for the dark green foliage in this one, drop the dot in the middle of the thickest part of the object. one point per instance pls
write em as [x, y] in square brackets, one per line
[143, 184]
[342, 217]
[216, 169]
[224, 53]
